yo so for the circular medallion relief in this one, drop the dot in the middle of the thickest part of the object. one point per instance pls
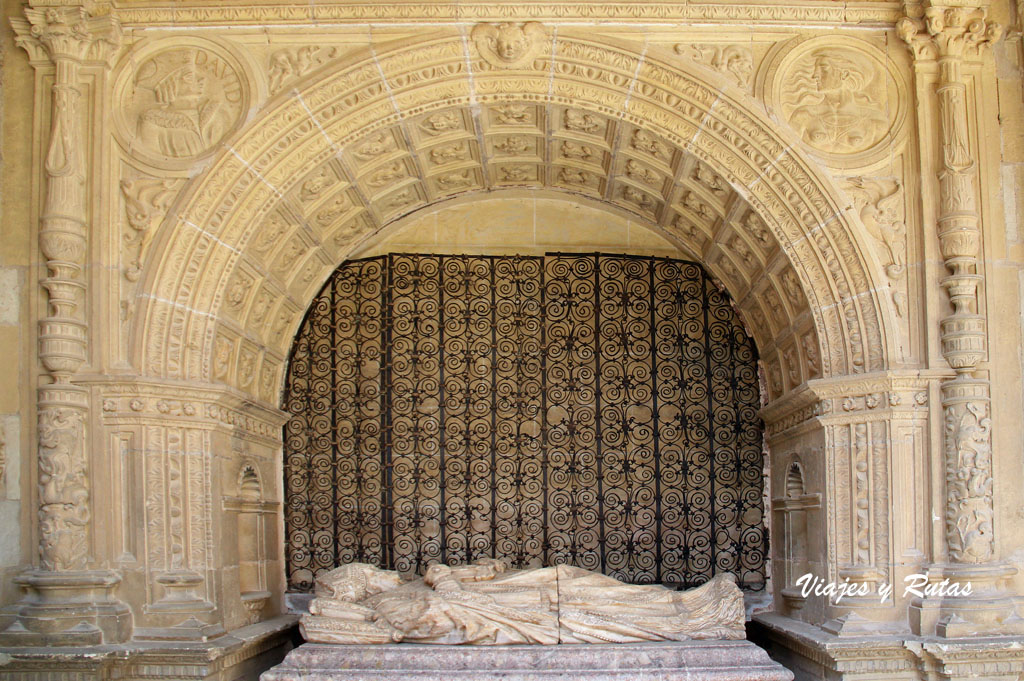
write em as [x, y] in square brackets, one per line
[840, 98]
[179, 99]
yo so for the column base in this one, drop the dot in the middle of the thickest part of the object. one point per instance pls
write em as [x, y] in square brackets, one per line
[68, 609]
[944, 610]
[181, 614]
[242, 654]
[813, 654]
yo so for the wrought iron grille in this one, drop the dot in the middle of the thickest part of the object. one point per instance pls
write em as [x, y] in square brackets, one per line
[597, 410]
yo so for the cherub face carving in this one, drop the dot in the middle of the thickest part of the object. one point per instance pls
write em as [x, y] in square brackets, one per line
[508, 45]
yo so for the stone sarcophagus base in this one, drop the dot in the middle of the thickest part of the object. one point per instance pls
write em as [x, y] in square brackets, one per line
[660, 661]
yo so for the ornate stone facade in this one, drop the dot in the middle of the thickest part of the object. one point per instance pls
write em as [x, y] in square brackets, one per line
[179, 180]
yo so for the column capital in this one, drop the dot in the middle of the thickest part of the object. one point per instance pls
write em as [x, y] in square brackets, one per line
[67, 33]
[949, 29]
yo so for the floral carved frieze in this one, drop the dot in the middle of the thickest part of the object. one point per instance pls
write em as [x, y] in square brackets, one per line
[840, 96]
[178, 100]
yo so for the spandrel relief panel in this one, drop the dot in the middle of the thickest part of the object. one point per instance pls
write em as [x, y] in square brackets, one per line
[592, 410]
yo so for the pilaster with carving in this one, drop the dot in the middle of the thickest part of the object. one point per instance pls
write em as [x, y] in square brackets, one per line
[944, 38]
[68, 39]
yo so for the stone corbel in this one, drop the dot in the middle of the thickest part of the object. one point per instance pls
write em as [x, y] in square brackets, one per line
[67, 603]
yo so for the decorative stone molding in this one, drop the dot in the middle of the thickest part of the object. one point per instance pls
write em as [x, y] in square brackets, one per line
[340, 13]
[204, 407]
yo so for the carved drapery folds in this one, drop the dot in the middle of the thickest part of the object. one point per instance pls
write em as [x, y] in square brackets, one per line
[948, 35]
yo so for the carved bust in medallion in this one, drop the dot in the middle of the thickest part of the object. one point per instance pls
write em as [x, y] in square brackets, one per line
[840, 97]
[181, 102]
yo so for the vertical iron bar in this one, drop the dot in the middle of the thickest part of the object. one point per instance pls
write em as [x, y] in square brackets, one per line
[711, 419]
[494, 408]
[441, 510]
[334, 420]
[385, 451]
[652, 296]
[597, 409]
[544, 407]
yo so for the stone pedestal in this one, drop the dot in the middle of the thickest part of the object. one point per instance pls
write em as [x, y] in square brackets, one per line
[672, 661]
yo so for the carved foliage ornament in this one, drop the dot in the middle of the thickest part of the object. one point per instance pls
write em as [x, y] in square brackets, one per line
[63, 490]
[969, 482]
[880, 205]
[146, 202]
[510, 45]
[181, 101]
[734, 61]
[291, 64]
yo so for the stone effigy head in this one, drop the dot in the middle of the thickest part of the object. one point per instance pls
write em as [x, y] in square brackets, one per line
[355, 581]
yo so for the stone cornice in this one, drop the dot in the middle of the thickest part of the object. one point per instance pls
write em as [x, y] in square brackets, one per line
[133, 400]
[146, 13]
[849, 398]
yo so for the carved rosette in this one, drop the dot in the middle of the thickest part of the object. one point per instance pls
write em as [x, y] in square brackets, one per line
[70, 38]
[948, 35]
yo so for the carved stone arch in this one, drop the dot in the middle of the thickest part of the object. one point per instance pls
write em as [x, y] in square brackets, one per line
[205, 257]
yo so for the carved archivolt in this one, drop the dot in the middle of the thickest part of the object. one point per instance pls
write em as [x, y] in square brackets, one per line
[844, 101]
[375, 138]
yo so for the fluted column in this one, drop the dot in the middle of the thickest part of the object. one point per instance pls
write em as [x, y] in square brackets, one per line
[942, 37]
[65, 603]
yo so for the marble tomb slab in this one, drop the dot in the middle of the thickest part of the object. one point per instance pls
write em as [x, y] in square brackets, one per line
[655, 661]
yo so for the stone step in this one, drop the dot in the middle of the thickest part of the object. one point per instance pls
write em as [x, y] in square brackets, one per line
[662, 661]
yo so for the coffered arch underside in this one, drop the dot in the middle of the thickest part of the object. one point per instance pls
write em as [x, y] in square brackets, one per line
[366, 140]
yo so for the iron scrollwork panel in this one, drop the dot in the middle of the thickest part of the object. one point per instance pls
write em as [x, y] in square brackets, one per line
[333, 441]
[597, 410]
